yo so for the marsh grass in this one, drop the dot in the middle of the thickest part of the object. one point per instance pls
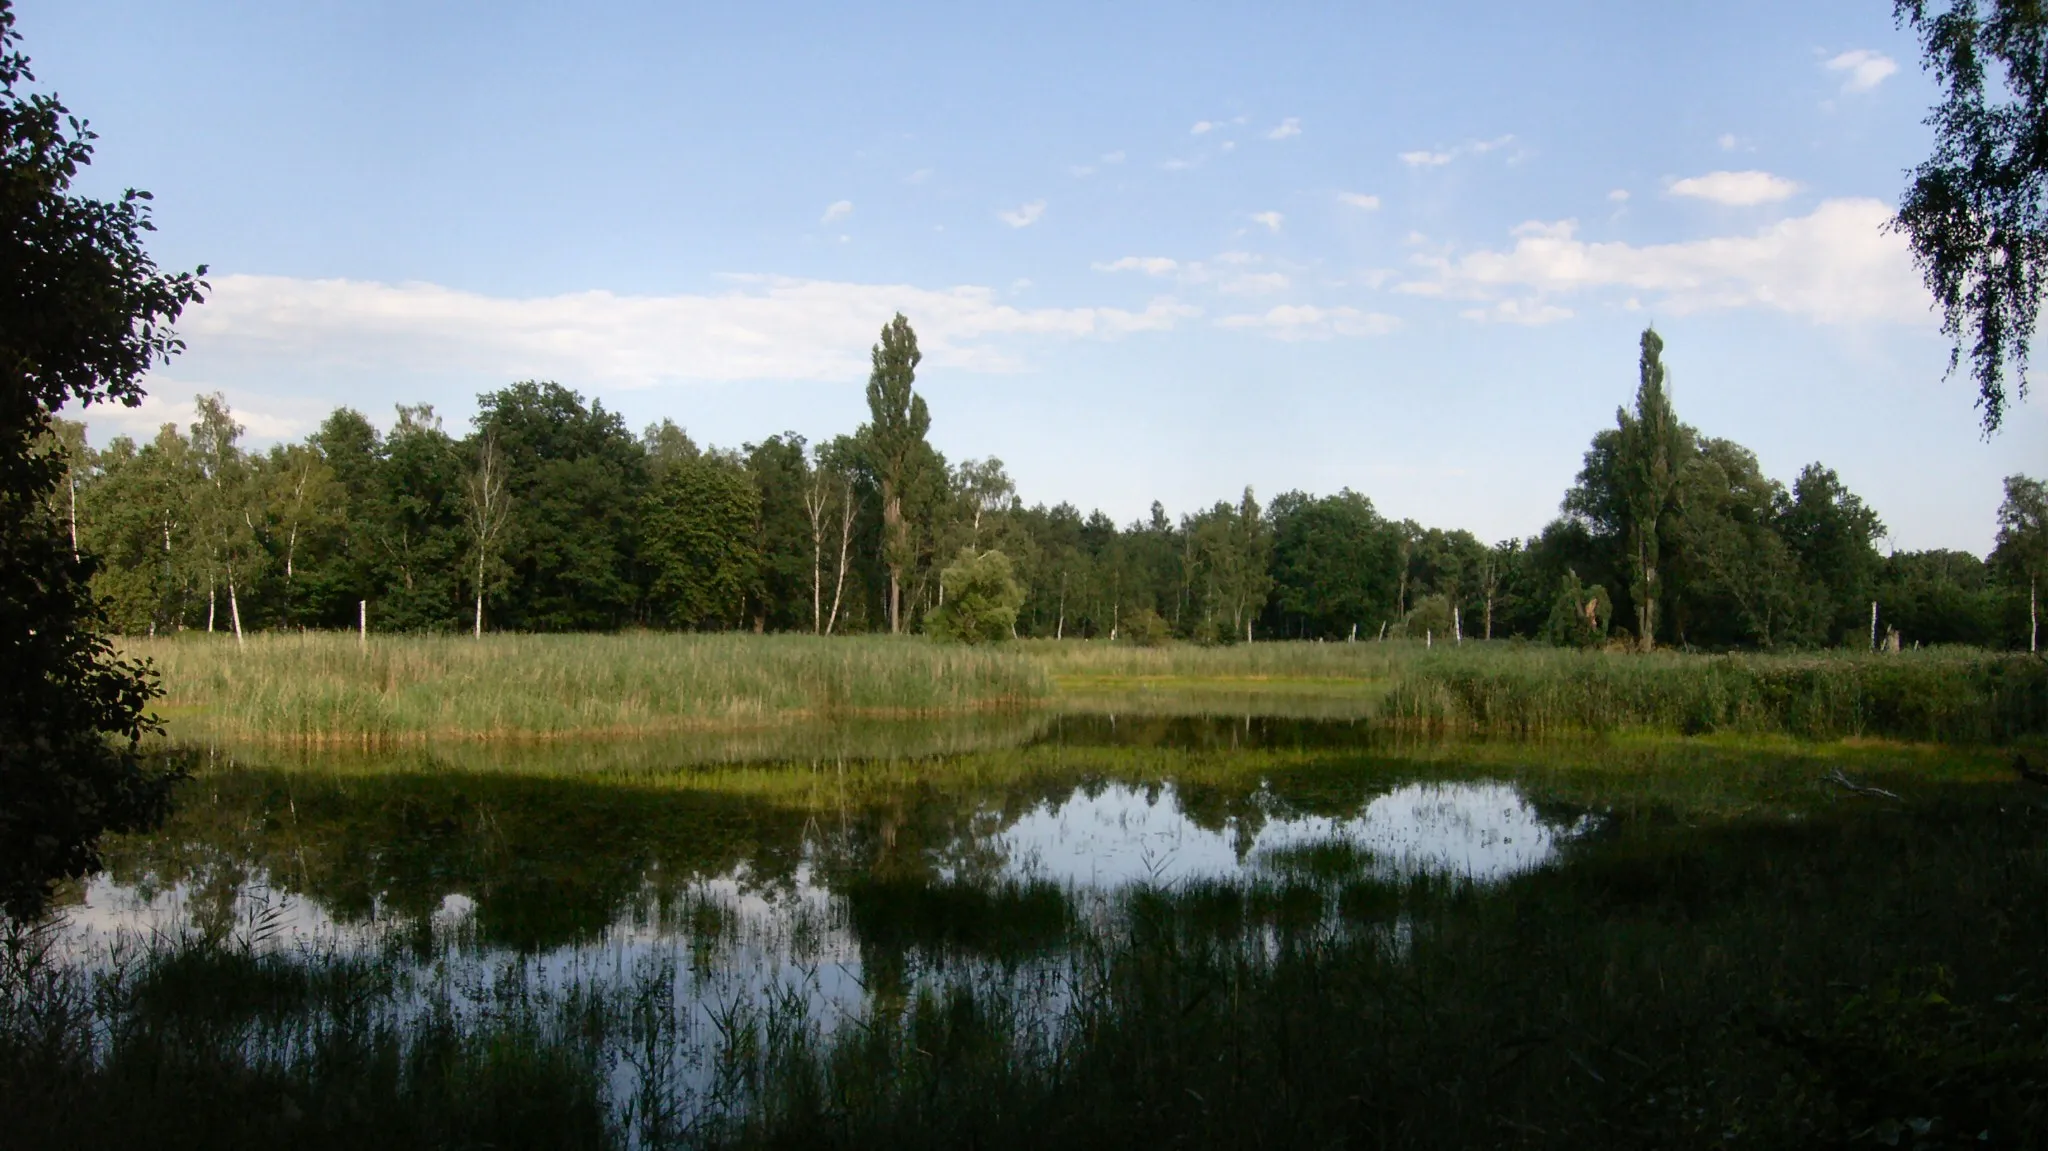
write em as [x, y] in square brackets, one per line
[327, 688]
[788, 696]
[1956, 695]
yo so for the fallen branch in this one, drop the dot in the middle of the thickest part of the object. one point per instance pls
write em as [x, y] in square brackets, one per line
[1844, 782]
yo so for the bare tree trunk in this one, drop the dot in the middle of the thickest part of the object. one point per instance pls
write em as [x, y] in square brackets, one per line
[234, 608]
[1457, 626]
[845, 541]
[2033, 616]
[363, 623]
[479, 615]
[1059, 630]
[72, 478]
[814, 503]
[209, 607]
[1873, 625]
[1489, 618]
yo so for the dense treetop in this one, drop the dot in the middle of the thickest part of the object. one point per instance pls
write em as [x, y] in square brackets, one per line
[1674, 537]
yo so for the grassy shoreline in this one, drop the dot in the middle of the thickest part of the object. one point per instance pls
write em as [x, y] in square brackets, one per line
[325, 690]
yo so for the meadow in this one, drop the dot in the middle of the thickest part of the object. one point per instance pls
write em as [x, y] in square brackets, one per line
[329, 689]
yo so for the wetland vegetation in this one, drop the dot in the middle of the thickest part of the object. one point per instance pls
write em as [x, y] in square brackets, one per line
[1693, 854]
[1221, 932]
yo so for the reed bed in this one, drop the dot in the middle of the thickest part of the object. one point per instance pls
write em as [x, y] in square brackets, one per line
[1956, 695]
[330, 688]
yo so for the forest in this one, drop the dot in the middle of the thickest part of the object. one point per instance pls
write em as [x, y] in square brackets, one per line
[549, 514]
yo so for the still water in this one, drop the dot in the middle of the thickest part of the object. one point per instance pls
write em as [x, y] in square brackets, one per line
[822, 882]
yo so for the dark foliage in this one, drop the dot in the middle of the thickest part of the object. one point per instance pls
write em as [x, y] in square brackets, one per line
[84, 313]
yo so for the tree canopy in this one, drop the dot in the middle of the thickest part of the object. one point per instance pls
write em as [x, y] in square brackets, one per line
[1974, 210]
[84, 312]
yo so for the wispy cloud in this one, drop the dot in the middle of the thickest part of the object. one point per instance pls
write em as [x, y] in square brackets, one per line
[1618, 196]
[919, 176]
[1359, 200]
[1736, 189]
[1112, 157]
[1308, 322]
[1150, 265]
[1529, 313]
[837, 210]
[1202, 128]
[1728, 142]
[1863, 70]
[1254, 284]
[1437, 158]
[763, 328]
[1024, 215]
[1287, 128]
[1178, 165]
[1837, 264]
[1272, 220]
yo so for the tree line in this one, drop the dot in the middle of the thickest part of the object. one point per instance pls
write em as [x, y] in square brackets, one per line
[550, 514]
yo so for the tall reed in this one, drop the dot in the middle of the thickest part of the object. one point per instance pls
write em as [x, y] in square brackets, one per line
[329, 688]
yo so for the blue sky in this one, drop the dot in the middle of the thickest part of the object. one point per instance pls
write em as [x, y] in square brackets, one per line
[1153, 251]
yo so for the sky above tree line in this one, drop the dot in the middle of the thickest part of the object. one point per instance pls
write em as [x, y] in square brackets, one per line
[1151, 251]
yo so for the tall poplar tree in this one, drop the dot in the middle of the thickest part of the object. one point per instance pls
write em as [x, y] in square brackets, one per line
[898, 421]
[1650, 451]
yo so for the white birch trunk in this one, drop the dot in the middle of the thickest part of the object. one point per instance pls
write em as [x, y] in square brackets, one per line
[235, 608]
[845, 541]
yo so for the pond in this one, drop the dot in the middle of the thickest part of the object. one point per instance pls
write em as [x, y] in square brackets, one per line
[762, 936]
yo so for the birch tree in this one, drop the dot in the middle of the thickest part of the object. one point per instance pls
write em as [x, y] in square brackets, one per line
[2023, 543]
[487, 508]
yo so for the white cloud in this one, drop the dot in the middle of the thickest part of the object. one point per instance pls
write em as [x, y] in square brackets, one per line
[1291, 126]
[1082, 171]
[1439, 157]
[1837, 264]
[1727, 141]
[1272, 220]
[1201, 127]
[1619, 195]
[1150, 265]
[1024, 215]
[1112, 157]
[263, 417]
[1307, 322]
[1359, 200]
[919, 176]
[1526, 312]
[1255, 284]
[1227, 146]
[1865, 69]
[763, 328]
[1736, 189]
[1178, 165]
[839, 210]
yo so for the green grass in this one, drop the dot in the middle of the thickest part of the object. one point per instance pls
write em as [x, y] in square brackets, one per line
[1953, 694]
[328, 689]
